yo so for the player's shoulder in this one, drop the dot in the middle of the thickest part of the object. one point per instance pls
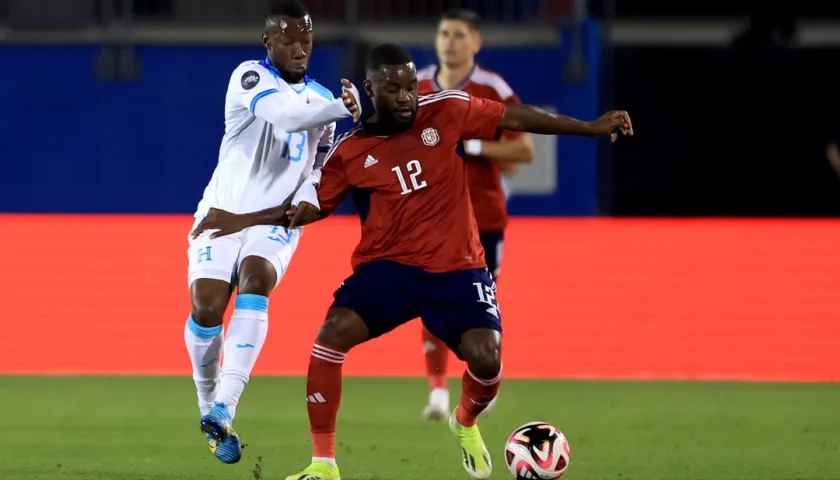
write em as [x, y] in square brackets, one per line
[320, 89]
[443, 110]
[491, 82]
[251, 65]
[443, 99]
[248, 74]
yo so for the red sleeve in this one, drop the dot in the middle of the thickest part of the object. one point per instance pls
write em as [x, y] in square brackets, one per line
[334, 185]
[480, 118]
[511, 134]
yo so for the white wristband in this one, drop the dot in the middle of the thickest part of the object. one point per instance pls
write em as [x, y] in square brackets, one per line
[473, 147]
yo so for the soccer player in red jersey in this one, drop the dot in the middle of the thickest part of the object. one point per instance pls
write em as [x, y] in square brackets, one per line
[457, 42]
[419, 255]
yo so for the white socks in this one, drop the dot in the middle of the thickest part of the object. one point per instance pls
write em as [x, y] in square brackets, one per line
[242, 345]
[204, 345]
[439, 397]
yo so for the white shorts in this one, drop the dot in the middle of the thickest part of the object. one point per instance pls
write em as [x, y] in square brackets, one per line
[219, 258]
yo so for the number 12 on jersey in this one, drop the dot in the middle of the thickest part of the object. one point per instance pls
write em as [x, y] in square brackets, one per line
[414, 169]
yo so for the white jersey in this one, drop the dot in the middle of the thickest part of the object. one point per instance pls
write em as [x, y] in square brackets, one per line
[274, 132]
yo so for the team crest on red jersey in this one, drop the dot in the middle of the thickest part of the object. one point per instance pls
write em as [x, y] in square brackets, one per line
[430, 137]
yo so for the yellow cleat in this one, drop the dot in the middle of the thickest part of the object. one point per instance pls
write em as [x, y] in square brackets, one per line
[474, 454]
[317, 471]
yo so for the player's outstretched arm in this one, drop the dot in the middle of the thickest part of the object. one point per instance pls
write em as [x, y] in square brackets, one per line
[296, 117]
[221, 222]
[319, 196]
[528, 118]
[252, 87]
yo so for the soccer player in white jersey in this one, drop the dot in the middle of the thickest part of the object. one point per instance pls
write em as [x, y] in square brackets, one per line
[279, 125]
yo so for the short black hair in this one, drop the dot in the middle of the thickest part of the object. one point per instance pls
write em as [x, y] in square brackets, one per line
[285, 8]
[472, 19]
[387, 54]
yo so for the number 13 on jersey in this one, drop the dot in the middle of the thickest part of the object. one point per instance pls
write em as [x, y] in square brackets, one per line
[413, 169]
[295, 144]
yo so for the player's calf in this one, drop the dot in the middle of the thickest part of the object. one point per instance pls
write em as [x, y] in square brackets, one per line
[481, 349]
[437, 356]
[203, 337]
[247, 330]
[342, 330]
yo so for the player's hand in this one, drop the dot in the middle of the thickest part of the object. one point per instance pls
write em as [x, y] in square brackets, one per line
[224, 222]
[303, 214]
[612, 123]
[350, 95]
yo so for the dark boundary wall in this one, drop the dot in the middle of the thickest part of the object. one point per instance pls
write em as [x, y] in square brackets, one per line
[721, 132]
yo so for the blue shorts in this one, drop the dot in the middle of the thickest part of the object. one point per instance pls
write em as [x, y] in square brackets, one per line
[493, 243]
[387, 294]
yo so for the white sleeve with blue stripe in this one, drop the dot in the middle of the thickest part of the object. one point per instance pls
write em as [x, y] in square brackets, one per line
[308, 191]
[253, 87]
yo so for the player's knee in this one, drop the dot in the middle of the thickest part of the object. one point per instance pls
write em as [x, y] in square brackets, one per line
[209, 301]
[343, 329]
[209, 313]
[482, 350]
[256, 285]
[257, 276]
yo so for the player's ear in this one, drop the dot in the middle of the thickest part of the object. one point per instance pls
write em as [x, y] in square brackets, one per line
[476, 42]
[368, 88]
[265, 39]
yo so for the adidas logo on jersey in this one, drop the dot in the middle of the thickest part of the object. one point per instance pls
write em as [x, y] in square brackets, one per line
[370, 161]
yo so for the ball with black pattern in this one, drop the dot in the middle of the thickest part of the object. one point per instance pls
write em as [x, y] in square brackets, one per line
[537, 451]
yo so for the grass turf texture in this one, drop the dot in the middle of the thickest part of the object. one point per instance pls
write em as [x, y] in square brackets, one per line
[132, 428]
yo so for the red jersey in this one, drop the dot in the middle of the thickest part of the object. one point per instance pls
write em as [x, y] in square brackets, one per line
[483, 174]
[419, 206]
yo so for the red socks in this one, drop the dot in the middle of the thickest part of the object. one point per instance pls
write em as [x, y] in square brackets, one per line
[437, 356]
[476, 394]
[323, 396]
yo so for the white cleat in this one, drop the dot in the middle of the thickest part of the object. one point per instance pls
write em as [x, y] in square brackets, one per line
[438, 408]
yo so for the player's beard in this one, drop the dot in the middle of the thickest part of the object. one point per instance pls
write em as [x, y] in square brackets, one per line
[397, 125]
[386, 124]
[293, 77]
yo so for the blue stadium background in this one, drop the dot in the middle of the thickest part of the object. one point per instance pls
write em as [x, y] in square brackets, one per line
[73, 143]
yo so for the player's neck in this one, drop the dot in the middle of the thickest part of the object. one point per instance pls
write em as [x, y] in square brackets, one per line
[293, 78]
[382, 127]
[452, 77]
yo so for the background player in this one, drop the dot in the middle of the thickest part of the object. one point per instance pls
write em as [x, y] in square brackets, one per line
[457, 42]
[276, 118]
[420, 253]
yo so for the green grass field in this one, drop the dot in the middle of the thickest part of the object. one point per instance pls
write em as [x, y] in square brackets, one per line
[121, 428]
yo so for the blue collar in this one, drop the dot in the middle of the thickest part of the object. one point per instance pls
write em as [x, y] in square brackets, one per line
[271, 68]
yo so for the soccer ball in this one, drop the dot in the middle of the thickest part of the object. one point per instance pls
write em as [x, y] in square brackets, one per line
[537, 451]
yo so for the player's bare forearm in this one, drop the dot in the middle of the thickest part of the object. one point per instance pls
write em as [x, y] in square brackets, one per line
[285, 215]
[527, 118]
[226, 223]
[269, 216]
[833, 154]
[520, 150]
